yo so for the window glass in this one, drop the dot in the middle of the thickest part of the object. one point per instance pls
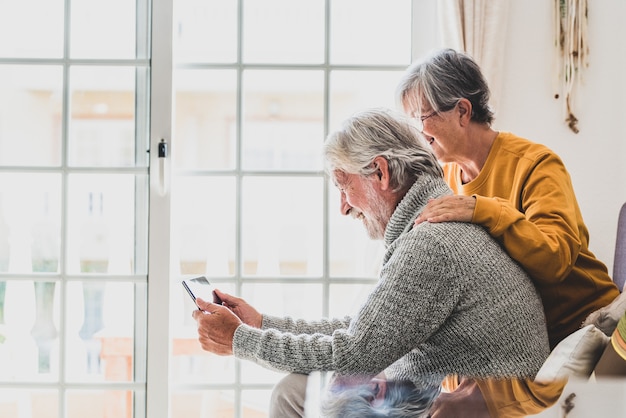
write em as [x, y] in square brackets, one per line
[101, 224]
[73, 207]
[255, 402]
[345, 299]
[31, 28]
[205, 31]
[205, 403]
[282, 227]
[29, 313]
[101, 403]
[30, 114]
[204, 225]
[41, 403]
[205, 119]
[281, 298]
[190, 364]
[351, 91]
[30, 223]
[103, 29]
[102, 125]
[100, 331]
[370, 32]
[283, 120]
[258, 85]
[283, 31]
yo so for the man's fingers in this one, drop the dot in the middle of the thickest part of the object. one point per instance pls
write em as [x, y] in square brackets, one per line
[215, 347]
[207, 306]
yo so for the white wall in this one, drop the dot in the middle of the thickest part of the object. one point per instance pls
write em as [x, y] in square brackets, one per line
[595, 157]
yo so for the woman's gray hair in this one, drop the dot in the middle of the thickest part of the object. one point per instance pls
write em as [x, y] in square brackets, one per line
[441, 80]
[402, 400]
[380, 132]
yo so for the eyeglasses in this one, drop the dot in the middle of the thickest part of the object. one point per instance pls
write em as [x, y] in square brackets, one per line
[419, 122]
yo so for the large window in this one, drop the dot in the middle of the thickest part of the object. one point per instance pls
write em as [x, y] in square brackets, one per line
[257, 87]
[74, 106]
[96, 231]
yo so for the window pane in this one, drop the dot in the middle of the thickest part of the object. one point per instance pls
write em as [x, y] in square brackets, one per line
[282, 226]
[285, 299]
[283, 125]
[100, 331]
[31, 28]
[352, 253]
[99, 403]
[101, 224]
[203, 404]
[205, 117]
[30, 231]
[345, 299]
[281, 31]
[190, 363]
[29, 314]
[357, 35]
[39, 403]
[204, 225]
[252, 373]
[255, 403]
[279, 299]
[103, 29]
[102, 125]
[205, 30]
[351, 91]
[30, 114]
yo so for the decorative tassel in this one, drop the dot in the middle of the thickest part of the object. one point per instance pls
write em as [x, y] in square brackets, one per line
[572, 50]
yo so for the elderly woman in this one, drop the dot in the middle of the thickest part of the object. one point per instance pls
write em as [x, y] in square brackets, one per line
[521, 193]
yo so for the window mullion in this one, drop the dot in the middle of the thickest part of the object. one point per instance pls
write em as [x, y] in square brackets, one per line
[159, 266]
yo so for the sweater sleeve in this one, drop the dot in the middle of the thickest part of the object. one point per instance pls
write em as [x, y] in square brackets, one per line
[300, 326]
[543, 234]
[396, 317]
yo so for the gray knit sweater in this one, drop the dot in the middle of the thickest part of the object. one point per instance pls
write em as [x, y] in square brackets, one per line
[448, 301]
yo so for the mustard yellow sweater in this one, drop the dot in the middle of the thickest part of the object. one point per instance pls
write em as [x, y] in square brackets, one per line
[525, 199]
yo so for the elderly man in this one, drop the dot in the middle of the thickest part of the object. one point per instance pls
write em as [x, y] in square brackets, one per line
[449, 300]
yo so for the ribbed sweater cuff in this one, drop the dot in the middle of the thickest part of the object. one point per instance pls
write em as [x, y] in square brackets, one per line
[246, 341]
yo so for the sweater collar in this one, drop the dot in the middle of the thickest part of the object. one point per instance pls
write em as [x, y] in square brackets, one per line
[426, 187]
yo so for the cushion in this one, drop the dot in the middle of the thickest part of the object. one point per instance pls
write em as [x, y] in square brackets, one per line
[605, 319]
[575, 356]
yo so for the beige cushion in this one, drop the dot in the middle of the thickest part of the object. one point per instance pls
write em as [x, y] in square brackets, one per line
[605, 319]
[575, 356]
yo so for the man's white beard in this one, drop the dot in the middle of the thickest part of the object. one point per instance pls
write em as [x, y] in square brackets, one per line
[376, 222]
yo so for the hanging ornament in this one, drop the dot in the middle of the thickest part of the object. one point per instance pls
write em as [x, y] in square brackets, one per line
[572, 50]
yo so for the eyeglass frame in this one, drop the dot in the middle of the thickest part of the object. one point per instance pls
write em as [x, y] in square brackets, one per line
[419, 122]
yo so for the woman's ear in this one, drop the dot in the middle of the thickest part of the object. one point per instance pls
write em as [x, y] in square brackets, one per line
[465, 111]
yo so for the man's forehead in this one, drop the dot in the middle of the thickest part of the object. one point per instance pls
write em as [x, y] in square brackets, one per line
[339, 177]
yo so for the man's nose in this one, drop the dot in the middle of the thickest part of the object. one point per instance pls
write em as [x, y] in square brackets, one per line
[345, 206]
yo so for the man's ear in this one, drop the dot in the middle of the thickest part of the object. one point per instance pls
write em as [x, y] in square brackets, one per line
[382, 172]
[465, 111]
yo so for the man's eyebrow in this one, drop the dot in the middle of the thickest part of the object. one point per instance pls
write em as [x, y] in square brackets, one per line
[340, 178]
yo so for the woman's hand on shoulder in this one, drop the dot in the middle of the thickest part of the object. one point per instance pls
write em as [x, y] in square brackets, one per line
[448, 209]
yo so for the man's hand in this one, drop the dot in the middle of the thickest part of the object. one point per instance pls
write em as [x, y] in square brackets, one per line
[242, 309]
[448, 209]
[216, 327]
